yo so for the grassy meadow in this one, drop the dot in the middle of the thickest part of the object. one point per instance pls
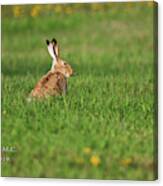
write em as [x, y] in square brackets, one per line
[104, 128]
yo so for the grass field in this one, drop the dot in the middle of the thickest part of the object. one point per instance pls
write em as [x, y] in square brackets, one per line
[104, 127]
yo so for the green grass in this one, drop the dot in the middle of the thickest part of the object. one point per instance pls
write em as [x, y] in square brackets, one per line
[109, 106]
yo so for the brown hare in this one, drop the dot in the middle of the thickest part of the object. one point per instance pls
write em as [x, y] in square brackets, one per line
[55, 81]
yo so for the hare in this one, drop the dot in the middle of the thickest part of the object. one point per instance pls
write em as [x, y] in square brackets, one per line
[55, 81]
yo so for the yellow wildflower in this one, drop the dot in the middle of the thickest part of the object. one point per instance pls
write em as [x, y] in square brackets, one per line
[126, 162]
[58, 8]
[95, 160]
[87, 150]
[17, 11]
[96, 6]
[35, 10]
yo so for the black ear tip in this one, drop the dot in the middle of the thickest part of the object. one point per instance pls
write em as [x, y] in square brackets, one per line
[47, 42]
[54, 41]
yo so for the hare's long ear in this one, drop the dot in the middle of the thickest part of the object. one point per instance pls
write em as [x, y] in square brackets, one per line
[50, 49]
[55, 47]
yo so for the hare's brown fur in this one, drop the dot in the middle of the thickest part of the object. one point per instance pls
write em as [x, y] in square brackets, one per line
[52, 84]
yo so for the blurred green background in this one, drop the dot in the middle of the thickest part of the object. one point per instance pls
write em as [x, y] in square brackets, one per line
[104, 128]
